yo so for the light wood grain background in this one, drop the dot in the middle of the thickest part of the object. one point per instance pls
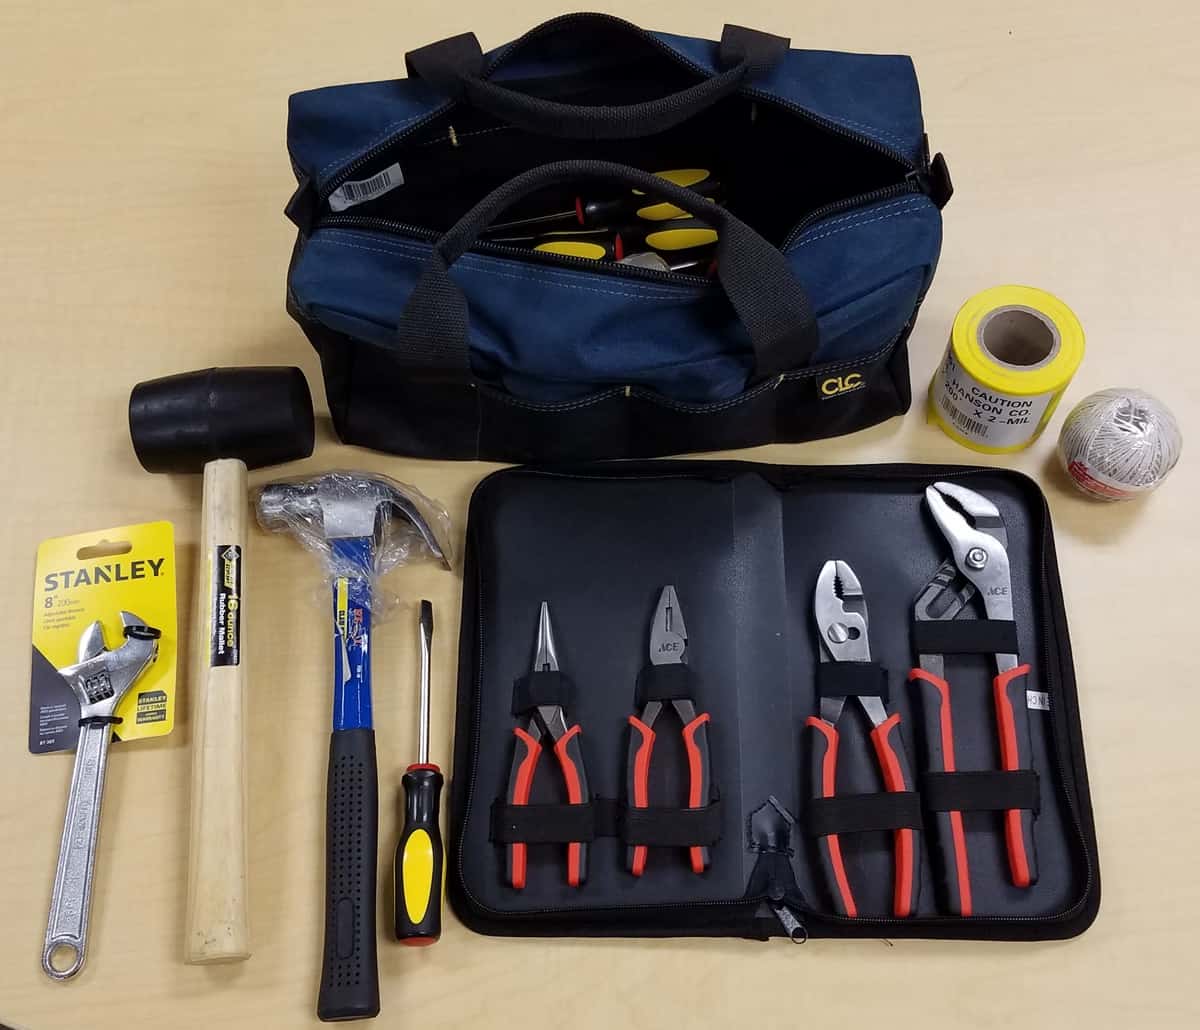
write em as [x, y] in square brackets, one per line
[142, 179]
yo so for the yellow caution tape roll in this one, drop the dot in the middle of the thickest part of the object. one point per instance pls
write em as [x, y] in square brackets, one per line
[1012, 352]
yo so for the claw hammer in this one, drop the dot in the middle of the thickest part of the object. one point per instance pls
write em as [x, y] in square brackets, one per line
[349, 511]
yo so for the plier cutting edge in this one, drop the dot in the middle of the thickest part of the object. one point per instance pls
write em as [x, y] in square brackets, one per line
[841, 615]
[668, 647]
[547, 721]
[978, 565]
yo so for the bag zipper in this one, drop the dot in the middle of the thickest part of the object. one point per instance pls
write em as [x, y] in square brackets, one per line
[791, 916]
[506, 250]
[910, 184]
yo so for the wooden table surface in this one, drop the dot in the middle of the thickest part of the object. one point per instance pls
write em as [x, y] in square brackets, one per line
[141, 189]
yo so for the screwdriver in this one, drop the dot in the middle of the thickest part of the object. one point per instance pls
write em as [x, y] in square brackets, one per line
[677, 234]
[419, 853]
[590, 213]
[700, 261]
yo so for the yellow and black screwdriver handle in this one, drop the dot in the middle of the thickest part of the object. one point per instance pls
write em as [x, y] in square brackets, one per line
[419, 859]
[613, 245]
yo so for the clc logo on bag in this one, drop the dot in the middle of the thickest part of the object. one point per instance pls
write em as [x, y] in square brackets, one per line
[834, 386]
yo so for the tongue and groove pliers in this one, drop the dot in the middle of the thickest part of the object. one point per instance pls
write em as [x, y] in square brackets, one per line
[547, 722]
[841, 616]
[978, 566]
[668, 647]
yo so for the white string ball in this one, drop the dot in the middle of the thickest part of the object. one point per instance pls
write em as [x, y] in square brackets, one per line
[1120, 443]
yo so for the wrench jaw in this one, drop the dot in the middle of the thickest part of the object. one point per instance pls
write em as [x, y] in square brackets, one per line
[91, 643]
[102, 677]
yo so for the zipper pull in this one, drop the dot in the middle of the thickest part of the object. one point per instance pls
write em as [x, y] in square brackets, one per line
[773, 878]
[934, 181]
[793, 926]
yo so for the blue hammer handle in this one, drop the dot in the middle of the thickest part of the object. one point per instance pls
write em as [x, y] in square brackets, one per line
[350, 968]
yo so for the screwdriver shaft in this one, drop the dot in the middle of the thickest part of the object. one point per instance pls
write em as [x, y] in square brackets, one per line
[426, 647]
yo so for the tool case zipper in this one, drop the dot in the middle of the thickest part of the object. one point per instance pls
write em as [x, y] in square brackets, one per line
[793, 915]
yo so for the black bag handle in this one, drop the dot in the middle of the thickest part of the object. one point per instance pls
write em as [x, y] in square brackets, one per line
[771, 304]
[455, 65]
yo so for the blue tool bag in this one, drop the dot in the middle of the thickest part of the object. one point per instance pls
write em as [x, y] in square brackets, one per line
[600, 242]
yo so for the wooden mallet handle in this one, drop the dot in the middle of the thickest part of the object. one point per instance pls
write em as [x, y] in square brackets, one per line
[217, 923]
[223, 420]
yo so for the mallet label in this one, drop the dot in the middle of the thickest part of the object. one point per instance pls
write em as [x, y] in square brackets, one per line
[225, 638]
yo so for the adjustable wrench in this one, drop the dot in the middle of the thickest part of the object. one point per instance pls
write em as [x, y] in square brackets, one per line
[99, 680]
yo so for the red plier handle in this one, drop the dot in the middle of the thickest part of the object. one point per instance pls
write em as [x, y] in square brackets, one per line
[1012, 727]
[897, 778]
[949, 836]
[641, 750]
[526, 752]
[1012, 724]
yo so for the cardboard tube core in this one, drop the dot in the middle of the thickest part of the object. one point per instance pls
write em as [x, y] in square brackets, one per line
[1019, 337]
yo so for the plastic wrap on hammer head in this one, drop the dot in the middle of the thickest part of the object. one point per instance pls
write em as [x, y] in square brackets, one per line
[358, 524]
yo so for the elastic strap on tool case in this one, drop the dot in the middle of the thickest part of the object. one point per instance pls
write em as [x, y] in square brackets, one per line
[990, 790]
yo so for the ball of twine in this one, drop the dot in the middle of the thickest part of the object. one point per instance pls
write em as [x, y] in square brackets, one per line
[1119, 443]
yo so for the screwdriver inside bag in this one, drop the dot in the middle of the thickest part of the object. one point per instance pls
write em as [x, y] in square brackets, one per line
[600, 211]
[419, 853]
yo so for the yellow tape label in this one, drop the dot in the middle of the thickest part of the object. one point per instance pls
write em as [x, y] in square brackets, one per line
[984, 415]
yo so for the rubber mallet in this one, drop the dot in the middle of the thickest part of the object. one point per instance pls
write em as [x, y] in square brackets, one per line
[220, 421]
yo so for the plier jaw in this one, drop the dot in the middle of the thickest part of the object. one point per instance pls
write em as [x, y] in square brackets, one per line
[668, 633]
[841, 613]
[545, 654]
[979, 547]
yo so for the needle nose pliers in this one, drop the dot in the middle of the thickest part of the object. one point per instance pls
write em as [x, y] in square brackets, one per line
[547, 721]
[978, 565]
[841, 615]
[668, 650]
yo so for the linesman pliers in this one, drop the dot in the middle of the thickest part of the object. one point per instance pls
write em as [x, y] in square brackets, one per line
[547, 721]
[841, 615]
[668, 648]
[978, 565]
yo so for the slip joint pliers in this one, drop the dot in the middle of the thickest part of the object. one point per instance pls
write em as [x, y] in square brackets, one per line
[840, 610]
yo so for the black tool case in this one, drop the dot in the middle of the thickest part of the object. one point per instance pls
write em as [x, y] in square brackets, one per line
[743, 544]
